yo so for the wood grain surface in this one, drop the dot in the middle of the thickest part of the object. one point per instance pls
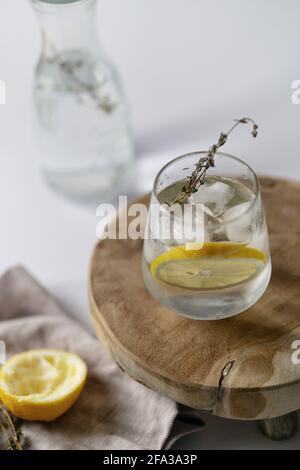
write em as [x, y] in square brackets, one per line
[239, 367]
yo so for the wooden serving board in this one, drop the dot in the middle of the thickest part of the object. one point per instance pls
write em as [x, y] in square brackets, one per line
[239, 367]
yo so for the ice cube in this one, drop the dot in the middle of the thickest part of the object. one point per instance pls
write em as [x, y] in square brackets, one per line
[188, 229]
[215, 196]
[200, 196]
[208, 212]
[178, 225]
[238, 221]
[214, 230]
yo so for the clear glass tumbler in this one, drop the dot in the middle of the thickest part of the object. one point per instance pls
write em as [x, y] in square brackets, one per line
[229, 268]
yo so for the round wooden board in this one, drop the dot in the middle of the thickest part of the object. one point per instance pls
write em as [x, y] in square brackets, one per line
[240, 367]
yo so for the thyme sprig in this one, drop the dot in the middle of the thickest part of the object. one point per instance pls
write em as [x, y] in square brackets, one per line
[198, 176]
[12, 437]
[70, 69]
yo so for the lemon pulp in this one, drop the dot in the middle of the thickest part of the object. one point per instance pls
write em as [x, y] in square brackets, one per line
[216, 265]
[41, 384]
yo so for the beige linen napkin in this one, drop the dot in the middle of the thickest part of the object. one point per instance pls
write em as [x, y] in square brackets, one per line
[113, 412]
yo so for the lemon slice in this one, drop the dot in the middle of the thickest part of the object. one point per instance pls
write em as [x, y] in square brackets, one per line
[214, 266]
[41, 384]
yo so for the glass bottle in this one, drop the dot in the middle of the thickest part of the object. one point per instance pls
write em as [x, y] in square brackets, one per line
[85, 139]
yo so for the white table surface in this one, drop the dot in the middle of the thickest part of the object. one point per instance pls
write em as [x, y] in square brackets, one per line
[189, 67]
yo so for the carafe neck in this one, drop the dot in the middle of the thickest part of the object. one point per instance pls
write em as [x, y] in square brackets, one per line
[67, 25]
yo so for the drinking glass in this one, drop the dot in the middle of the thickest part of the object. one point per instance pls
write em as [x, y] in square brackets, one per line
[226, 269]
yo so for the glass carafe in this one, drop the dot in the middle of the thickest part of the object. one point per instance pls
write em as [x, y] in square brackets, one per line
[83, 125]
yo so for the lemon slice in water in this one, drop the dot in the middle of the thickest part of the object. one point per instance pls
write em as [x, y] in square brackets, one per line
[214, 266]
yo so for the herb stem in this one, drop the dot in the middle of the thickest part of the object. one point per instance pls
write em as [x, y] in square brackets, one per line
[70, 68]
[11, 435]
[197, 178]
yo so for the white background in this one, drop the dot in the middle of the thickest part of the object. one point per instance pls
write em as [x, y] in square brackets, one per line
[189, 67]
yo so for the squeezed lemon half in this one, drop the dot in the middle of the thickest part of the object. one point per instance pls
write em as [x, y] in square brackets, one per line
[41, 384]
[214, 266]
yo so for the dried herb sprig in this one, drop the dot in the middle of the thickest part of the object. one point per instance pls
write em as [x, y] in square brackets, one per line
[198, 176]
[8, 433]
[70, 68]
